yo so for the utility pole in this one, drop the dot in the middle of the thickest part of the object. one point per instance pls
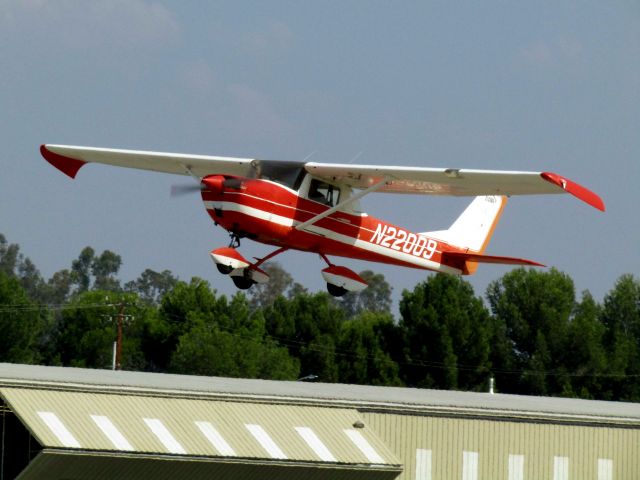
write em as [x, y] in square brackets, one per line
[119, 338]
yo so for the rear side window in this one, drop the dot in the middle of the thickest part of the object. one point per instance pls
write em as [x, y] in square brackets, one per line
[324, 193]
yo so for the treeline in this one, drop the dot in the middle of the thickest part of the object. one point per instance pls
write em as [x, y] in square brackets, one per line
[534, 336]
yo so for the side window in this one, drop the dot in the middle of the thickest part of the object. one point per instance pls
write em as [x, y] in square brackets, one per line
[324, 193]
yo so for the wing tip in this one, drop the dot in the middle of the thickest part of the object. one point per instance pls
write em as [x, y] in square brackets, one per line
[67, 165]
[575, 189]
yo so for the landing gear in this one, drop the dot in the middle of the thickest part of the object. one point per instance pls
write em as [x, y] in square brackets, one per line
[335, 290]
[243, 273]
[341, 280]
[243, 283]
[234, 242]
[224, 269]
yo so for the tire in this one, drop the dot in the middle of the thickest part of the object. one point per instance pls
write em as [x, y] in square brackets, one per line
[335, 290]
[224, 269]
[243, 283]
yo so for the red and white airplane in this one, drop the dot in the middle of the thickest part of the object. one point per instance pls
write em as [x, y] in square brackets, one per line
[314, 207]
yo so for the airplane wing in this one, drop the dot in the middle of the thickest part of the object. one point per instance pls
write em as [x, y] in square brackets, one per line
[452, 181]
[69, 160]
[426, 181]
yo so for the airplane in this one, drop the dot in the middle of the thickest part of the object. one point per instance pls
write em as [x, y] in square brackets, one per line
[314, 207]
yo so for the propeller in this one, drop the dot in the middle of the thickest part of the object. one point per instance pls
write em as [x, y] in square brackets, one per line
[185, 189]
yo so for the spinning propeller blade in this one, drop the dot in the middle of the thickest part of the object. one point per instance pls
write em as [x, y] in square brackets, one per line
[180, 190]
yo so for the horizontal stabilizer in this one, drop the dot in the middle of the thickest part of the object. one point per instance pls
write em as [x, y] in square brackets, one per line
[461, 260]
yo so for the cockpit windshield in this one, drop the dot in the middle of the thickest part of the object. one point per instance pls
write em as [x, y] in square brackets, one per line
[289, 174]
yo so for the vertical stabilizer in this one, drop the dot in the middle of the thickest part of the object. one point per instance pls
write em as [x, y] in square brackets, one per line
[473, 229]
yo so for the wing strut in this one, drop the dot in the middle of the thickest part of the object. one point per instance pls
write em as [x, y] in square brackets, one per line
[340, 205]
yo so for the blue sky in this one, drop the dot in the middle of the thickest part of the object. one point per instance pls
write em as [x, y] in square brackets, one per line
[545, 86]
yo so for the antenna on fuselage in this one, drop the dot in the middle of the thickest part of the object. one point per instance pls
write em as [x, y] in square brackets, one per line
[355, 158]
[309, 156]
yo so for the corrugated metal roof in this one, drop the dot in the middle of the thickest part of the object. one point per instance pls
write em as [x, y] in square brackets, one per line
[386, 398]
[196, 427]
[54, 465]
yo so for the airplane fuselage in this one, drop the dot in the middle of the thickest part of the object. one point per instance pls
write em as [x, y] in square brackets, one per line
[267, 212]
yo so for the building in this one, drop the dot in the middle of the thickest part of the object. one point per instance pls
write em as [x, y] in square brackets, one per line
[67, 423]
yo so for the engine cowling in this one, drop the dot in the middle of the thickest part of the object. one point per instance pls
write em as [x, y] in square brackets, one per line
[213, 183]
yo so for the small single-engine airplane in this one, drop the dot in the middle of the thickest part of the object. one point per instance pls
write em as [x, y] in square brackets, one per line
[314, 207]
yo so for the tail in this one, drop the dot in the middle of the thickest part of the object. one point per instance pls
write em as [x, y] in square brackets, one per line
[472, 232]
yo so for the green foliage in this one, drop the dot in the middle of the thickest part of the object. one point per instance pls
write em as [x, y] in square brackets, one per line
[86, 330]
[20, 323]
[96, 272]
[9, 256]
[621, 317]
[375, 298]
[309, 325]
[207, 350]
[535, 307]
[585, 356]
[365, 357]
[151, 286]
[535, 339]
[446, 335]
[264, 294]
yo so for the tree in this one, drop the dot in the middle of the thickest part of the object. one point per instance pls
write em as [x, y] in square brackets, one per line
[20, 323]
[375, 298]
[535, 308]
[58, 287]
[89, 271]
[31, 279]
[363, 357]
[9, 255]
[264, 294]
[446, 333]
[621, 318]
[14, 264]
[151, 286]
[207, 350]
[105, 270]
[180, 308]
[585, 356]
[87, 329]
[81, 269]
[224, 338]
[309, 324]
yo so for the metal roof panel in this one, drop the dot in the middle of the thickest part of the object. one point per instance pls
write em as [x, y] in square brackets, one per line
[165, 425]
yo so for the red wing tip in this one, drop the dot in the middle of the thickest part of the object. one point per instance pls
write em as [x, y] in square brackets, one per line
[575, 189]
[67, 165]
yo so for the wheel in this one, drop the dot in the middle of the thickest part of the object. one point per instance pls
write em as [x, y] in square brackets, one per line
[224, 269]
[242, 283]
[335, 290]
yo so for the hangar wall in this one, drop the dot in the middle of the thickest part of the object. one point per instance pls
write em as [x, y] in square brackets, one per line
[432, 447]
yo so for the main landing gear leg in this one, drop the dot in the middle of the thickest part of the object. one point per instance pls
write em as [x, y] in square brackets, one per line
[252, 274]
[260, 261]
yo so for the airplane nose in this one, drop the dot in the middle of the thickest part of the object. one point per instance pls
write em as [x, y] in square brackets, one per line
[213, 183]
